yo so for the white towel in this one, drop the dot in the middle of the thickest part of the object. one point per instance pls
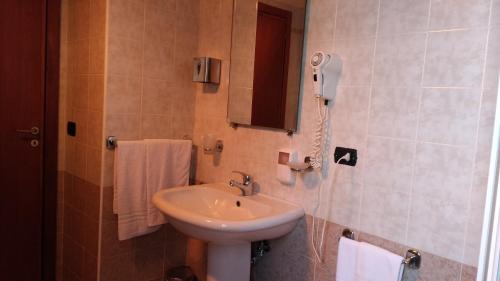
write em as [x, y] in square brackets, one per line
[377, 264]
[130, 197]
[167, 165]
[347, 259]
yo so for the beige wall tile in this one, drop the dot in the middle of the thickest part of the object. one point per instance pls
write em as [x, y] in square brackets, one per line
[78, 54]
[345, 201]
[123, 94]
[493, 58]
[97, 18]
[124, 56]
[448, 14]
[449, 116]
[96, 61]
[389, 164]
[495, 19]
[78, 19]
[160, 17]
[80, 117]
[123, 126]
[455, 58]
[356, 18]
[94, 165]
[157, 97]
[79, 164]
[394, 112]
[156, 126]
[356, 55]
[437, 227]
[350, 112]
[78, 89]
[450, 182]
[399, 60]
[397, 17]
[159, 60]
[383, 212]
[96, 92]
[322, 23]
[126, 18]
[107, 172]
[487, 119]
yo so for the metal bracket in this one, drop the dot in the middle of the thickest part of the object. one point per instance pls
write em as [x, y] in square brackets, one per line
[413, 259]
[219, 146]
[347, 233]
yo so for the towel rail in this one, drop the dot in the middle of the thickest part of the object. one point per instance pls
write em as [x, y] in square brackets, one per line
[413, 258]
[112, 142]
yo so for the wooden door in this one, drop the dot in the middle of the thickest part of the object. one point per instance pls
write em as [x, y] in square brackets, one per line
[271, 66]
[25, 126]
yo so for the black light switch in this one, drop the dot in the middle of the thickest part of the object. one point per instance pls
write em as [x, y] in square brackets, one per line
[341, 151]
[71, 128]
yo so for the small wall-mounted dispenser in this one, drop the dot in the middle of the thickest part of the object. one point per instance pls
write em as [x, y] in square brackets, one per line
[283, 172]
[206, 70]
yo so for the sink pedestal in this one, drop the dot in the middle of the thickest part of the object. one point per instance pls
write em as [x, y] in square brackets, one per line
[228, 222]
[228, 262]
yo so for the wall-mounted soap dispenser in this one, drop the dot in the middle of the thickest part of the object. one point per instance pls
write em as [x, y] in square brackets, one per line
[206, 70]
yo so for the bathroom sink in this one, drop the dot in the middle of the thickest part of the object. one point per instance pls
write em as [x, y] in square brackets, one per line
[229, 222]
[212, 213]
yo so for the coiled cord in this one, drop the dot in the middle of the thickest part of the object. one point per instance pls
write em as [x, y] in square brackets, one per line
[317, 151]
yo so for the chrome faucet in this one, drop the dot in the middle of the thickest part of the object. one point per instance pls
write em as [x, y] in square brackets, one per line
[246, 186]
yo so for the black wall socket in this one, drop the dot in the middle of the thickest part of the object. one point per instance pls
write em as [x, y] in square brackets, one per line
[341, 151]
[71, 128]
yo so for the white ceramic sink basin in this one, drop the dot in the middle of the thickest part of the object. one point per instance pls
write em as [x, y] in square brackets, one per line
[210, 213]
[216, 213]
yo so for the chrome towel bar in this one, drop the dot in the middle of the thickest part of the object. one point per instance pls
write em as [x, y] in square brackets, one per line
[413, 258]
[112, 141]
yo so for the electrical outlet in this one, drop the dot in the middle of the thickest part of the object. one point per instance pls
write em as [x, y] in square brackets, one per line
[71, 128]
[341, 151]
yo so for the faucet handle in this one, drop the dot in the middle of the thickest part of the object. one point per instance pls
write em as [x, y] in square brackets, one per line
[247, 179]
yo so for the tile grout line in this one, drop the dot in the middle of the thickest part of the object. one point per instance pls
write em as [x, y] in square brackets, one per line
[419, 141]
[142, 72]
[171, 117]
[367, 124]
[413, 170]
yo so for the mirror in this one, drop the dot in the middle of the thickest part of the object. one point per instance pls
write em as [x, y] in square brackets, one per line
[266, 62]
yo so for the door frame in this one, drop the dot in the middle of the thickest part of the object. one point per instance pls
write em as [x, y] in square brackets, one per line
[50, 139]
[276, 12]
